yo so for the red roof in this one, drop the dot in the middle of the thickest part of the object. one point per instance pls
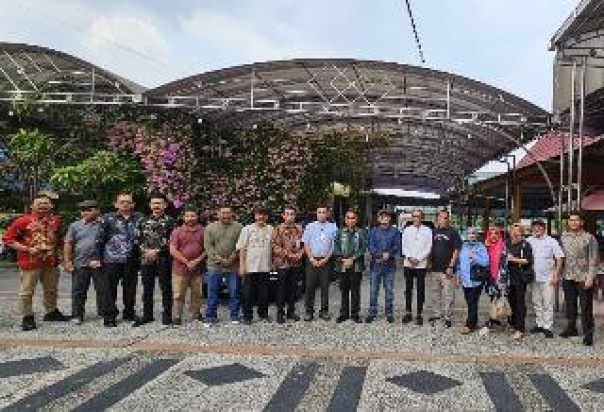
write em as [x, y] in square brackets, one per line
[548, 147]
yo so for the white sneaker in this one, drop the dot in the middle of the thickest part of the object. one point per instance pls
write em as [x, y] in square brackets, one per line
[76, 320]
[484, 331]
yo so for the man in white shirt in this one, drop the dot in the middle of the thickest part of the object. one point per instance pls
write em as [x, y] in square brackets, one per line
[548, 262]
[416, 247]
[255, 253]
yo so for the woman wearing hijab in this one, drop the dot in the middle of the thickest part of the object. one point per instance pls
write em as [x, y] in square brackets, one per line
[497, 284]
[520, 270]
[473, 257]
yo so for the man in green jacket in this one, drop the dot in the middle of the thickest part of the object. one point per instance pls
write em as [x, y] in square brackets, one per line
[349, 252]
[220, 243]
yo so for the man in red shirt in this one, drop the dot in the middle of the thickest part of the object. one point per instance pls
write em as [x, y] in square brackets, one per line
[36, 236]
[187, 249]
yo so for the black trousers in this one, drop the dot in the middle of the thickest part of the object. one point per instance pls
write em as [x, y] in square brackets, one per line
[287, 289]
[162, 270]
[350, 287]
[517, 299]
[314, 277]
[472, 296]
[574, 291]
[420, 276]
[80, 283]
[254, 287]
[113, 273]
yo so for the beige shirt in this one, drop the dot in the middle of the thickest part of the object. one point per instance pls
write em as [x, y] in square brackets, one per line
[255, 243]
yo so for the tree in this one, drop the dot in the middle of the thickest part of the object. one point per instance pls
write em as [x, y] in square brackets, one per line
[30, 156]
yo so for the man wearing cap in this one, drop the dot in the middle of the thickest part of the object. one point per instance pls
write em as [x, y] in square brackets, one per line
[318, 239]
[254, 246]
[547, 264]
[416, 245]
[384, 247]
[36, 236]
[156, 262]
[78, 253]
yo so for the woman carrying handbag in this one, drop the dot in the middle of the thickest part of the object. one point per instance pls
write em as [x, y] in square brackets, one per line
[497, 285]
[473, 273]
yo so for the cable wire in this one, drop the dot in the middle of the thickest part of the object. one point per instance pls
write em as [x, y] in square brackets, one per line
[415, 33]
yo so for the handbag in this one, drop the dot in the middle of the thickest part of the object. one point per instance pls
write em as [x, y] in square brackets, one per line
[526, 273]
[479, 273]
[500, 308]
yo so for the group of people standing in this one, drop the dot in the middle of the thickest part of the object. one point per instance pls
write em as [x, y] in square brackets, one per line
[116, 247]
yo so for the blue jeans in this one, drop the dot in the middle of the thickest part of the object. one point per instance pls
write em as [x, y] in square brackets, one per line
[385, 274]
[214, 281]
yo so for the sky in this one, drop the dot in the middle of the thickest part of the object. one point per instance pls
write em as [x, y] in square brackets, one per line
[503, 43]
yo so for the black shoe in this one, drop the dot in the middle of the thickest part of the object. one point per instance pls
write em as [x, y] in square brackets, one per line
[29, 323]
[280, 318]
[407, 318]
[389, 318]
[548, 333]
[342, 318]
[357, 319]
[293, 316]
[537, 329]
[433, 319]
[369, 319]
[567, 333]
[130, 317]
[266, 318]
[142, 321]
[166, 320]
[419, 321]
[309, 317]
[324, 316]
[448, 323]
[55, 316]
[109, 323]
[246, 321]
[176, 321]
[588, 340]
[199, 317]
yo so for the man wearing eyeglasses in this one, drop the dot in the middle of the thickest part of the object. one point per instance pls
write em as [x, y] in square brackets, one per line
[416, 248]
[116, 249]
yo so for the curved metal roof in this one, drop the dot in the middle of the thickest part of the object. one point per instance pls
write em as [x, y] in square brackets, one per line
[51, 76]
[443, 126]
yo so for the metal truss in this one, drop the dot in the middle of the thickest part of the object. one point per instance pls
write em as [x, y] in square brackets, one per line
[44, 76]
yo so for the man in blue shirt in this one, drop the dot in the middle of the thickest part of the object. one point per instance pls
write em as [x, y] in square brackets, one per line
[384, 246]
[318, 239]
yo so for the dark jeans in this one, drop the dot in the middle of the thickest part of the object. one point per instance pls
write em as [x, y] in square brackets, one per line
[113, 273]
[472, 296]
[254, 285]
[80, 283]
[574, 291]
[517, 299]
[162, 269]
[381, 274]
[287, 289]
[317, 276]
[350, 286]
[420, 275]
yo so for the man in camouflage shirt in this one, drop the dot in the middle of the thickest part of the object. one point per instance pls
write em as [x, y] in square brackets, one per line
[156, 261]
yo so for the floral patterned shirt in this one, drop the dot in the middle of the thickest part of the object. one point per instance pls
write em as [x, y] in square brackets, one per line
[287, 240]
[154, 234]
[118, 237]
[581, 255]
